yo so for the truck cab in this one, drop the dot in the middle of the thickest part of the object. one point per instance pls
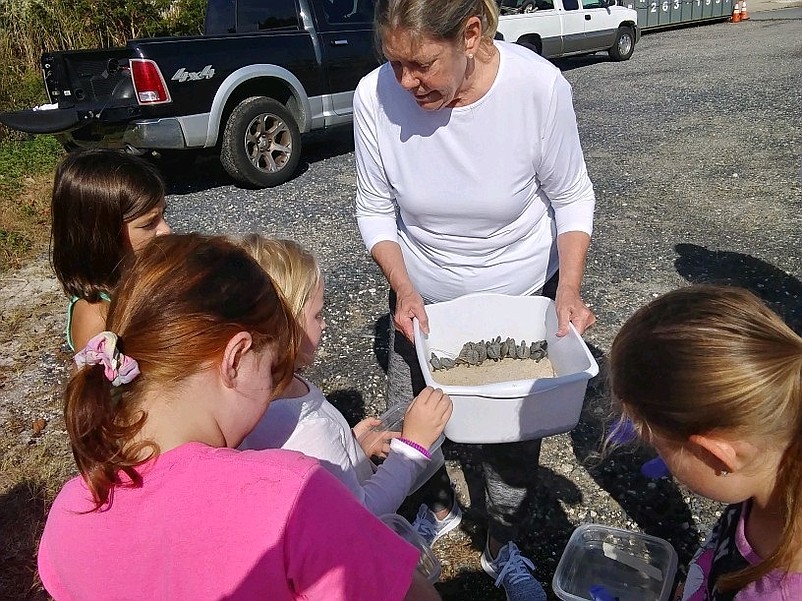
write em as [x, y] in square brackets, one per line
[556, 28]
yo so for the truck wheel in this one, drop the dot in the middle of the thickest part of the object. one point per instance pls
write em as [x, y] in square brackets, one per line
[535, 46]
[261, 143]
[624, 44]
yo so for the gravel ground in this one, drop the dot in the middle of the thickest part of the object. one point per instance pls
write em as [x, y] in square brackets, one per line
[693, 146]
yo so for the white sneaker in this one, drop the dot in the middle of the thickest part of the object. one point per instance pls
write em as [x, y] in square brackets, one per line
[430, 528]
[513, 571]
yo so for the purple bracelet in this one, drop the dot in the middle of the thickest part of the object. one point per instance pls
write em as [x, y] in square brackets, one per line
[421, 449]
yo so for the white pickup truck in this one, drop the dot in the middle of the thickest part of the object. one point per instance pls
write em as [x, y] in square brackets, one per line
[556, 28]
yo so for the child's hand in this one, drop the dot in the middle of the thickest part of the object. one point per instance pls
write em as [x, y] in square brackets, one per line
[426, 416]
[374, 443]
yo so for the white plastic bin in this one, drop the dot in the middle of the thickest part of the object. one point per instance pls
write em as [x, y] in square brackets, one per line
[515, 410]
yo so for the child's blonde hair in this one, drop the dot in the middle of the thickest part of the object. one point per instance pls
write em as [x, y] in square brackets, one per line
[705, 358]
[293, 269]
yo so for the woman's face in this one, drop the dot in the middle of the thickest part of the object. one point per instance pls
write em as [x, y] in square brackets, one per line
[147, 226]
[433, 71]
[314, 325]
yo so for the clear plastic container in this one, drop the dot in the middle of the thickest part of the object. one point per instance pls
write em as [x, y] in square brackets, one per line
[630, 565]
[428, 565]
[392, 421]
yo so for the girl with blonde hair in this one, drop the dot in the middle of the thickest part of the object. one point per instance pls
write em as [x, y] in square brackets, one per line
[712, 379]
[303, 420]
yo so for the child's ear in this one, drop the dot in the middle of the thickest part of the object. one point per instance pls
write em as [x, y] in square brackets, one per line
[721, 454]
[236, 348]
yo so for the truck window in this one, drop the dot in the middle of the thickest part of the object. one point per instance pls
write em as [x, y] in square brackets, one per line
[257, 15]
[544, 4]
[220, 17]
[571, 4]
[593, 4]
[347, 11]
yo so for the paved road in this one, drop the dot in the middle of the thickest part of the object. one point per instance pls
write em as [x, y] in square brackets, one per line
[694, 149]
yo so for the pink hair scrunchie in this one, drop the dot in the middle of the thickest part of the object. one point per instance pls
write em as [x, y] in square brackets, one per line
[102, 349]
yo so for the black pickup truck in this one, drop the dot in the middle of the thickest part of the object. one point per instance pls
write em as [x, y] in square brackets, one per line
[264, 72]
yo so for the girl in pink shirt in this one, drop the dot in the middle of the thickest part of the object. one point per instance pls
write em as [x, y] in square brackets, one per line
[713, 380]
[197, 344]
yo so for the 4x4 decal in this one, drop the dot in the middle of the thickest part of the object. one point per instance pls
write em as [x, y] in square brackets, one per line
[183, 75]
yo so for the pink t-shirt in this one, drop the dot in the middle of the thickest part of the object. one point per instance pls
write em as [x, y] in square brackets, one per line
[223, 524]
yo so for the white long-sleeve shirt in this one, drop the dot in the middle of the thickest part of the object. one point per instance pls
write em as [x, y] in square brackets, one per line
[313, 426]
[474, 195]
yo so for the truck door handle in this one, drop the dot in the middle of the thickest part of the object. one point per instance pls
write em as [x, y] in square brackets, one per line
[587, 17]
[339, 42]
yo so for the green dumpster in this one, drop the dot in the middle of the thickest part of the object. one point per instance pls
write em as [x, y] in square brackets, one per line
[675, 12]
[687, 11]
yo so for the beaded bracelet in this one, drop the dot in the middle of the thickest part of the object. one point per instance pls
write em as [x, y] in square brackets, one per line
[421, 449]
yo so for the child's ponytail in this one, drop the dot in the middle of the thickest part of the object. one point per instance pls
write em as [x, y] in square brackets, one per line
[100, 426]
[177, 306]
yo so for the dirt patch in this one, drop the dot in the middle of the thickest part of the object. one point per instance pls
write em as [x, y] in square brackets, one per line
[34, 456]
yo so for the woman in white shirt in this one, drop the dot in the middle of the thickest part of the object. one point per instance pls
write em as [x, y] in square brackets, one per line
[470, 178]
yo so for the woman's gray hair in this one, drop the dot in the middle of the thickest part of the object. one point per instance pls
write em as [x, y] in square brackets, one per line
[437, 19]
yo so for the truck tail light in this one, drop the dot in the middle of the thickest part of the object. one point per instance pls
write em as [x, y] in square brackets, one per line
[149, 84]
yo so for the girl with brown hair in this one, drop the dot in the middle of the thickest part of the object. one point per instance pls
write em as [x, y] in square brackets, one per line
[197, 344]
[105, 205]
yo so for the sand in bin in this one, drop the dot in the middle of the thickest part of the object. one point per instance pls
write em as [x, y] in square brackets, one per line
[491, 372]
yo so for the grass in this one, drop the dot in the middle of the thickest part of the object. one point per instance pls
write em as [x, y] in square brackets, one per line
[26, 179]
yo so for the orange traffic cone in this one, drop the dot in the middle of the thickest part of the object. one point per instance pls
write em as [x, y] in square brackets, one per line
[744, 14]
[736, 13]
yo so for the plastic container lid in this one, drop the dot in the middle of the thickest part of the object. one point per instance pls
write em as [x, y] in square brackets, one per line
[625, 564]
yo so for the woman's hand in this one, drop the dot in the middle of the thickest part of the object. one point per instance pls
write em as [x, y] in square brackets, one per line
[571, 309]
[409, 304]
[427, 416]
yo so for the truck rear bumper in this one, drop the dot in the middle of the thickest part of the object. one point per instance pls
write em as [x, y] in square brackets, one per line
[155, 133]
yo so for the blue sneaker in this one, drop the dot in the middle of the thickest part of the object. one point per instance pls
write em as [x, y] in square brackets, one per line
[430, 528]
[514, 572]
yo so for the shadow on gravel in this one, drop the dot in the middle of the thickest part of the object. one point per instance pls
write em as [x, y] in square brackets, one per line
[544, 526]
[350, 403]
[655, 505]
[381, 340]
[23, 510]
[577, 62]
[187, 172]
[778, 289]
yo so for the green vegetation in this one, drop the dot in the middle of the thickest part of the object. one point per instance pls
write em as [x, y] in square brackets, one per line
[27, 28]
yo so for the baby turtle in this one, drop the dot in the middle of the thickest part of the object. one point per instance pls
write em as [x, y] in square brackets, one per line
[494, 349]
[538, 350]
[469, 354]
[439, 363]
